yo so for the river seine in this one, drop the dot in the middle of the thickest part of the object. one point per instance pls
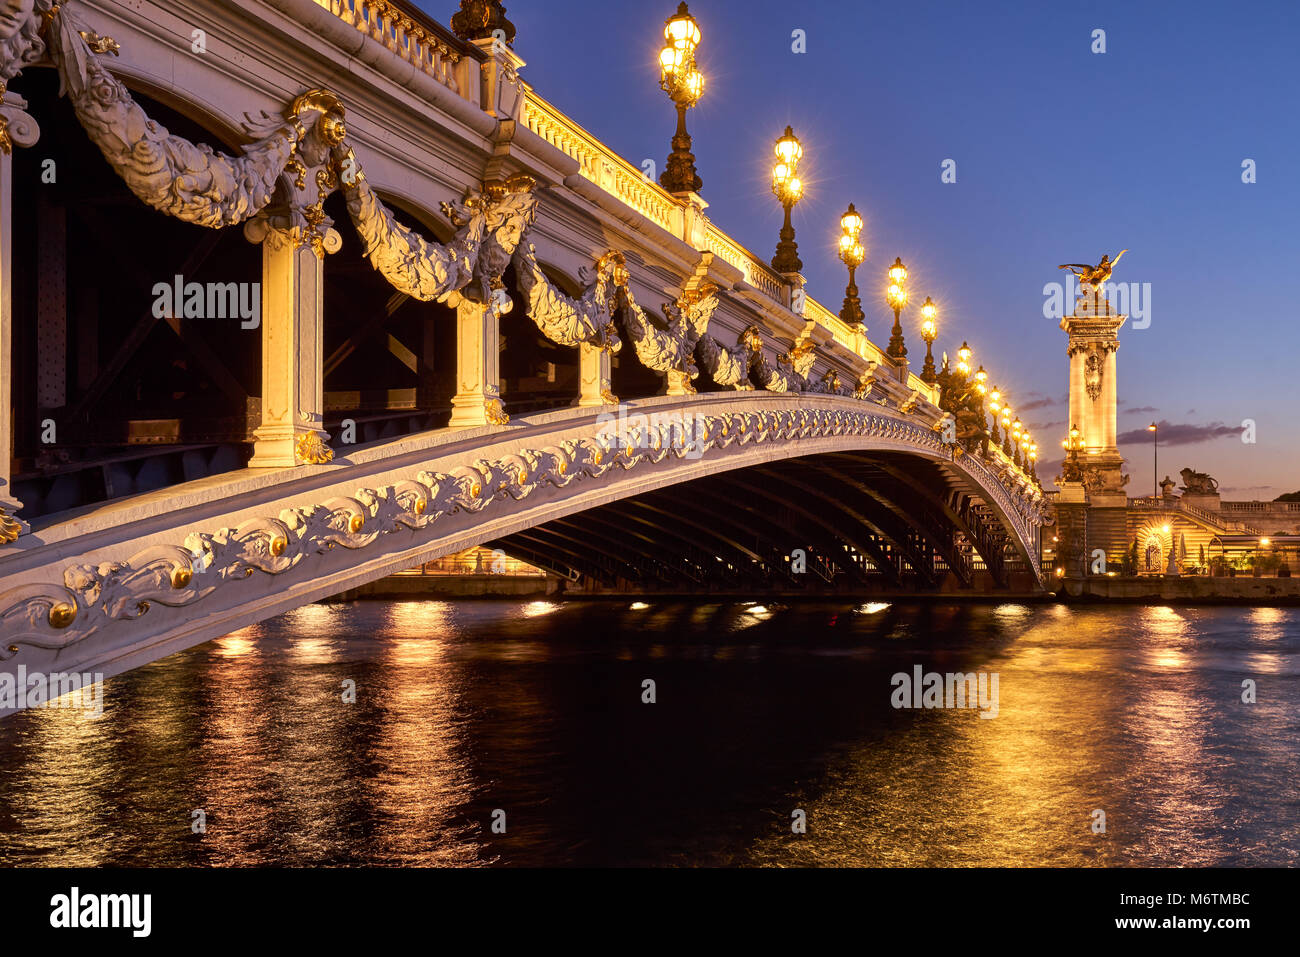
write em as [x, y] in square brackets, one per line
[532, 716]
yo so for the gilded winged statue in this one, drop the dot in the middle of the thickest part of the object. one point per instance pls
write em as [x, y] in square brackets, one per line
[1094, 275]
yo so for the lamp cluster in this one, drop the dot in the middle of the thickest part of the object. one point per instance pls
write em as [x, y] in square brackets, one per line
[852, 254]
[684, 83]
[788, 188]
[964, 391]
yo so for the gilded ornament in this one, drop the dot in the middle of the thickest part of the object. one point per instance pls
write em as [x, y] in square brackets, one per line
[62, 615]
[10, 528]
[311, 449]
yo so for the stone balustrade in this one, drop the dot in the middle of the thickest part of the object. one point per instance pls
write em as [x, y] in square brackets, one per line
[602, 166]
[407, 33]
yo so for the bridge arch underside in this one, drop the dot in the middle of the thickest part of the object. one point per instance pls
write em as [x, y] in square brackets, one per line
[846, 522]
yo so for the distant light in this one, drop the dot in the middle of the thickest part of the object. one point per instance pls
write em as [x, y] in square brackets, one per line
[639, 606]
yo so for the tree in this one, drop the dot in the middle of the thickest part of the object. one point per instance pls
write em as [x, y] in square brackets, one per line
[1288, 497]
[1132, 564]
[1202, 561]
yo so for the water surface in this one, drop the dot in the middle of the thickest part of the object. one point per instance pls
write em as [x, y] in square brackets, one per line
[535, 709]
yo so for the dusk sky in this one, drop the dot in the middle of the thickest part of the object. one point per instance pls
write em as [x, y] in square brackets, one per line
[1062, 155]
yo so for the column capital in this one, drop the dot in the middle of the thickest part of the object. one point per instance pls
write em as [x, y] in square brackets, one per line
[276, 233]
[17, 127]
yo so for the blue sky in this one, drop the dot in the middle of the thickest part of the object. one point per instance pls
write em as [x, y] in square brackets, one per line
[1062, 154]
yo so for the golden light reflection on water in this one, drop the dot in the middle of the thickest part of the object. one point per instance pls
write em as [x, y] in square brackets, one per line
[422, 776]
[1080, 728]
[1133, 711]
[535, 609]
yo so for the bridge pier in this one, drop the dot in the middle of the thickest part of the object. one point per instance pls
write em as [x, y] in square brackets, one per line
[292, 428]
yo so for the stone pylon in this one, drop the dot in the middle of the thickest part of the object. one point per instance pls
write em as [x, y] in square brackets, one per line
[1094, 340]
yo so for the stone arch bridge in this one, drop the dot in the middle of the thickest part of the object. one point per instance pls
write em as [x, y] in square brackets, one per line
[448, 346]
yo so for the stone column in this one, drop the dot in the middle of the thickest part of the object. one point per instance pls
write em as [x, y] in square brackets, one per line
[594, 376]
[1093, 343]
[21, 130]
[292, 431]
[478, 359]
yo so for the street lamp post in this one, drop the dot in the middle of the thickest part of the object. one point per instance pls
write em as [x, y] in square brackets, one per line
[852, 254]
[1070, 468]
[684, 84]
[1155, 459]
[963, 359]
[929, 332]
[896, 295]
[787, 188]
[995, 406]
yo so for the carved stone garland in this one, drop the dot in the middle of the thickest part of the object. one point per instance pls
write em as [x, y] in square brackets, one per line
[571, 322]
[185, 180]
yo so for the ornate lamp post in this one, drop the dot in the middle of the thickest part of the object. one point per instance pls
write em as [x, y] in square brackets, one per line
[929, 331]
[1006, 429]
[1155, 459]
[852, 255]
[963, 359]
[787, 188]
[684, 84]
[896, 296]
[1071, 470]
[995, 406]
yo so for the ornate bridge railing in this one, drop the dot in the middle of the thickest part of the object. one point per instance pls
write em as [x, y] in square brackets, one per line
[409, 34]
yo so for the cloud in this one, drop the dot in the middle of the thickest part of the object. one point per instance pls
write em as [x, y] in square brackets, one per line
[1143, 408]
[1171, 434]
[1270, 491]
[1042, 402]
